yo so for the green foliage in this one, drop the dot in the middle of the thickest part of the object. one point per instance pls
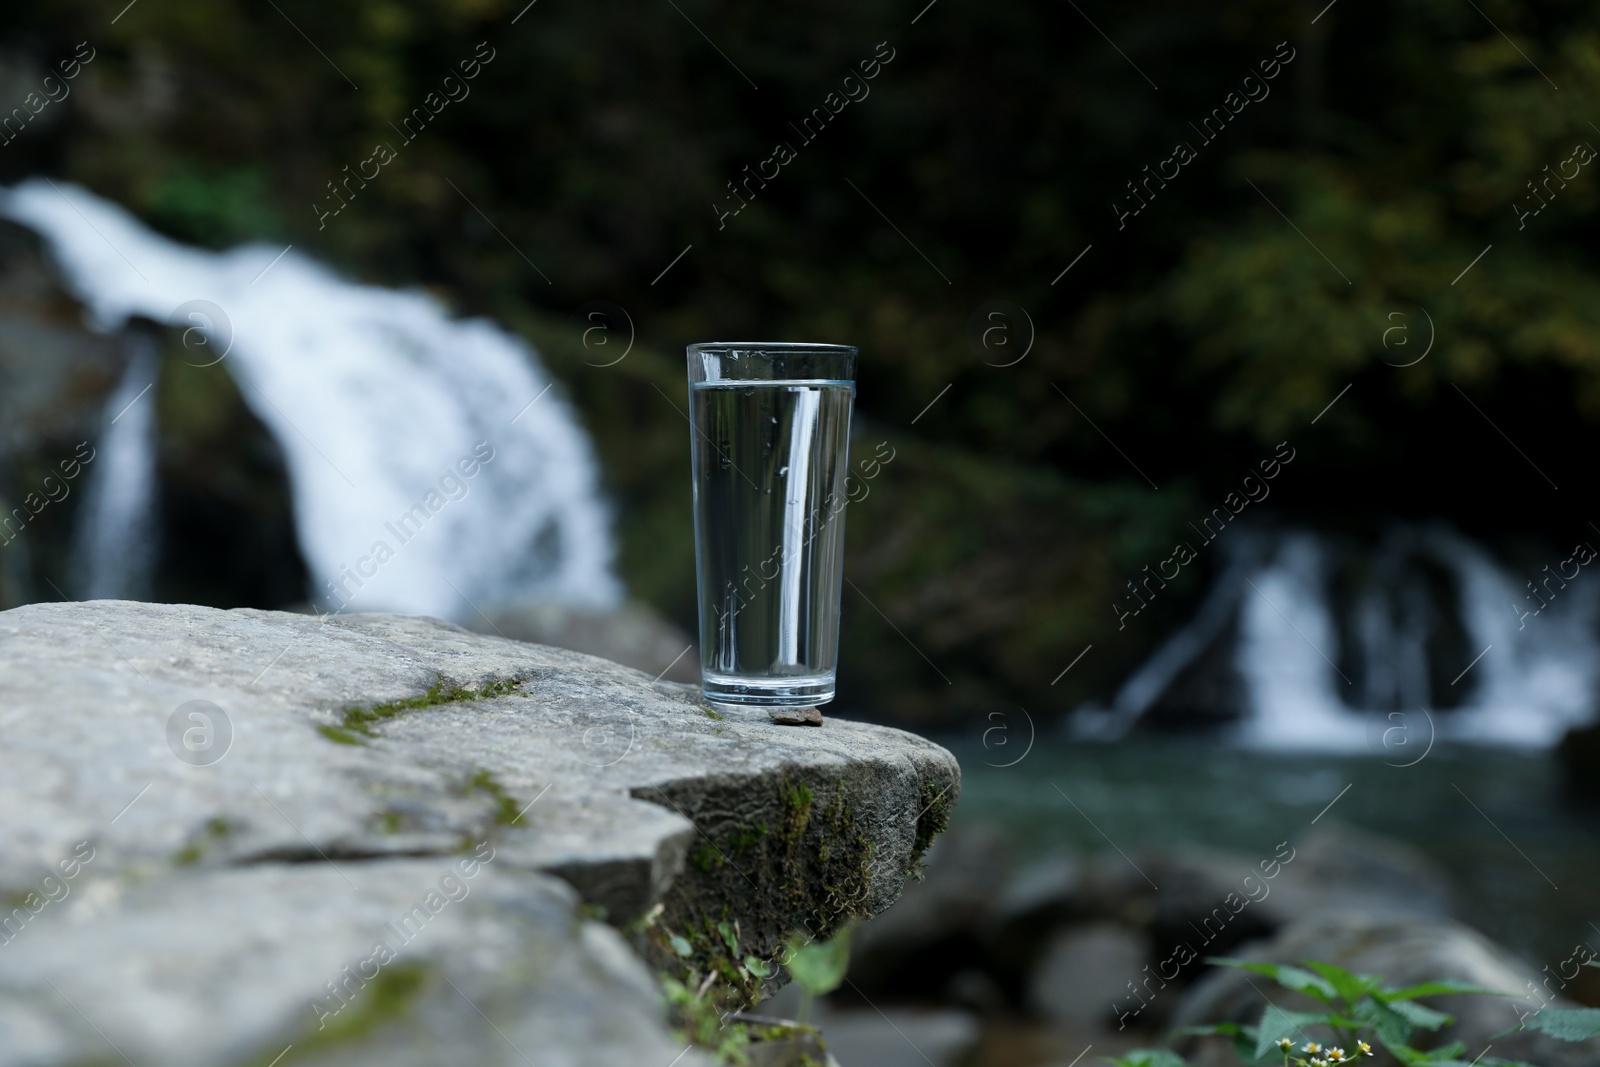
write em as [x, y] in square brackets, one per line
[702, 1021]
[714, 982]
[214, 207]
[818, 966]
[1148, 1057]
[1354, 1008]
[1568, 1024]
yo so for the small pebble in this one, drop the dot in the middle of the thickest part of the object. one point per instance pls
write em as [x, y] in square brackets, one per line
[795, 716]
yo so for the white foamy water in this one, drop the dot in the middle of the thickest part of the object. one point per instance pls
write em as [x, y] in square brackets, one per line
[1287, 648]
[114, 552]
[1531, 679]
[375, 395]
[1523, 682]
[1540, 675]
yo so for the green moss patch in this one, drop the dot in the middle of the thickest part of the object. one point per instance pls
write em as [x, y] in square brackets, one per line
[507, 811]
[357, 722]
[201, 842]
[339, 735]
[936, 806]
[798, 859]
[385, 999]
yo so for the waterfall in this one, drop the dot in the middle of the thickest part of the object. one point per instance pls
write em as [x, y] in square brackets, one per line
[382, 404]
[1316, 672]
[1540, 675]
[1288, 655]
[114, 551]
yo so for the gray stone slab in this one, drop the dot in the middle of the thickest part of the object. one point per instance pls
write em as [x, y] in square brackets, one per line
[388, 962]
[631, 791]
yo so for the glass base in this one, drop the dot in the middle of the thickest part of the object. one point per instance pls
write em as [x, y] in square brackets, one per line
[805, 690]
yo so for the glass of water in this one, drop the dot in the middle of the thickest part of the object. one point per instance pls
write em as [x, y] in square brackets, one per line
[770, 433]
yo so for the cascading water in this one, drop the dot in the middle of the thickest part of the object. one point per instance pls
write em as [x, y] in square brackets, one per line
[1516, 673]
[114, 551]
[381, 403]
[1287, 645]
[1544, 678]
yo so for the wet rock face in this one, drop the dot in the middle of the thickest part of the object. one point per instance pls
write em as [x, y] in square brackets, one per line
[234, 807]
[221, 505]
[224, 507]
[54, 379]
[1580, 762]
[54, 373]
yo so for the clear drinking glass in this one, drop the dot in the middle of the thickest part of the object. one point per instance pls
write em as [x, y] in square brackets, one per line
[770, 433]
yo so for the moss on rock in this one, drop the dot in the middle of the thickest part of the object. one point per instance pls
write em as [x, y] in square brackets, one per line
[796, 858]
[357, 721]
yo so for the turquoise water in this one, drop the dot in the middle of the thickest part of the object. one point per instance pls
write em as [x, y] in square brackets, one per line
[1533, 884]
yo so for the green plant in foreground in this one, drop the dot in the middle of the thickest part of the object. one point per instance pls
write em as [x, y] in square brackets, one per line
[818, 967]
[715, 982]
[1356, 1008]
[1565, 1024]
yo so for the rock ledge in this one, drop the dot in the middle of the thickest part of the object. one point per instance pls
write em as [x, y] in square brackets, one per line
[264, 799]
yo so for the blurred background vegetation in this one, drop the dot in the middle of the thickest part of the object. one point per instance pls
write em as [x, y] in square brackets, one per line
[986, 158]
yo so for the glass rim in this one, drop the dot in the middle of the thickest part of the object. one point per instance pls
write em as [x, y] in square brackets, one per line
[801, 347]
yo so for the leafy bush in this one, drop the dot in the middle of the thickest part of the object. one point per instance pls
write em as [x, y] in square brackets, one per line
[1356, 1008]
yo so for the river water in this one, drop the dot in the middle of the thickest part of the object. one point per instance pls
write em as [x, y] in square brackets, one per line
[1523, 857]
